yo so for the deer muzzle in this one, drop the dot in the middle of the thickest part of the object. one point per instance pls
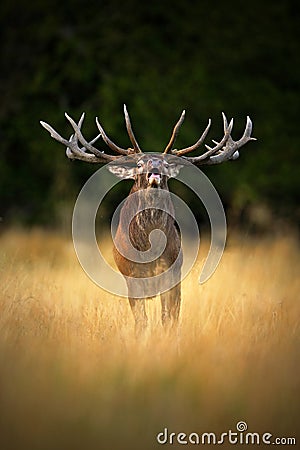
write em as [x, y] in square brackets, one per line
[154, 177]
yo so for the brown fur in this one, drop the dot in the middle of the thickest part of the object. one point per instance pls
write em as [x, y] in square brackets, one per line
[139, 229]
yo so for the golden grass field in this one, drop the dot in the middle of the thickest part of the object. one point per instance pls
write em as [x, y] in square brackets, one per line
[73, 376]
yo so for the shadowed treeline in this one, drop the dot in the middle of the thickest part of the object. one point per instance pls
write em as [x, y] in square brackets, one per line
[159, 58]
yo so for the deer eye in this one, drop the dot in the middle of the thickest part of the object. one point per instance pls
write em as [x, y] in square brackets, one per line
[139, 165]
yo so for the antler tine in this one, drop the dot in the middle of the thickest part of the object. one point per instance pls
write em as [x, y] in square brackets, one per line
[197, 144]
[247, 133]
[54, 134]
[109, 142]
[73, 151]
[175, 132]
[77, 128]
[227, 148]
[132, 138]
[230, 151]
[220, 145]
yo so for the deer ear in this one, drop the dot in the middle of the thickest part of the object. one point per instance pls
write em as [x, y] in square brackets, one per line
[174, 169]
[122, 171]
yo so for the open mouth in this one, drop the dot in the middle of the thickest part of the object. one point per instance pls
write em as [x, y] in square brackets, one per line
[154, 177]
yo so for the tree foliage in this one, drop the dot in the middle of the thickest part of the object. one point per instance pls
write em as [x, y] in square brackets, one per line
[158, 57]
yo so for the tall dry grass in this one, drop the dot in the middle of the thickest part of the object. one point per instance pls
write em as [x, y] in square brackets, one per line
[73, 376]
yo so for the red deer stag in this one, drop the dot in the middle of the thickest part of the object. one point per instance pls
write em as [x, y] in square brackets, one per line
[150, 173]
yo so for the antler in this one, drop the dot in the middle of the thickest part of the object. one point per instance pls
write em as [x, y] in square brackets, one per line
[224, 150]
[168, 149]
[175, 133]
[132, 138]
[88, 152]
[112, 145]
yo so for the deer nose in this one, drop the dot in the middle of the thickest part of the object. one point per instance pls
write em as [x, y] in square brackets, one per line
[155, 164]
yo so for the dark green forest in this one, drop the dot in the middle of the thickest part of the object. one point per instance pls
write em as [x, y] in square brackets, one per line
[159, 58]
